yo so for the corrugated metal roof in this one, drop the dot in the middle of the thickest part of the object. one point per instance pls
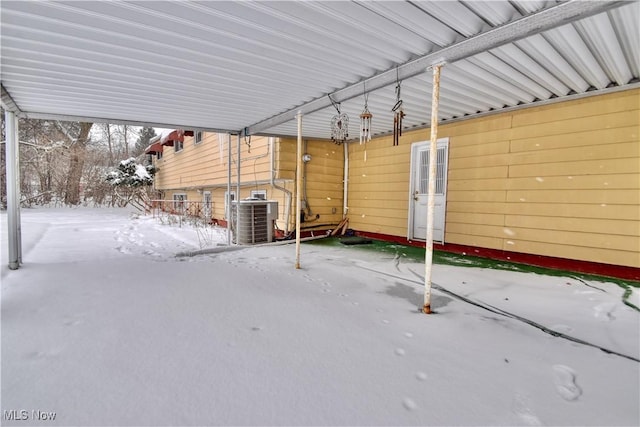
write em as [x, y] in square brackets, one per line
[232, 65]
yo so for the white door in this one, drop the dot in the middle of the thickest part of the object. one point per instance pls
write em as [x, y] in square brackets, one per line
[420, 187]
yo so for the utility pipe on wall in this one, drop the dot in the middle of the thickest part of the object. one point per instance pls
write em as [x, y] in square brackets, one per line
[13, 189]
[431, 196]
[298, 188]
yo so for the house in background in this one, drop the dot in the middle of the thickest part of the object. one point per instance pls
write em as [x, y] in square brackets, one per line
[554, 185]
[193, 167]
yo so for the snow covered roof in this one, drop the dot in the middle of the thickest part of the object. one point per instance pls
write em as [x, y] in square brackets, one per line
[235, 66]
[154, 148]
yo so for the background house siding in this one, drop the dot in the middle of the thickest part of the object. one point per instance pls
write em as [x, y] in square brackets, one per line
[204, 167]
[559, 180]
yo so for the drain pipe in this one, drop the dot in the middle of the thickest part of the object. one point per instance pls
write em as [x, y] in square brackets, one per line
[287, 193]
[345, 206]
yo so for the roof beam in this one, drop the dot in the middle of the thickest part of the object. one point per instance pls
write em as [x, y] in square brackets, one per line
[546, 19]
[73, 118]
[8, 104]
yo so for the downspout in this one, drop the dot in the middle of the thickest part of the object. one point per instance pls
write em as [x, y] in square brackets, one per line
[287, 193]
[345, 206]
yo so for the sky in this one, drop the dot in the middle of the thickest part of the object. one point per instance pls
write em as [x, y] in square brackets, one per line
[104, 325]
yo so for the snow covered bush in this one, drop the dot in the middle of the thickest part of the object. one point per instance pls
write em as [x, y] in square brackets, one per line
[130, 181]
[129, 173]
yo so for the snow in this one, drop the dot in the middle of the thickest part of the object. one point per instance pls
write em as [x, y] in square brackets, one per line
[141, 172]
[104, 325]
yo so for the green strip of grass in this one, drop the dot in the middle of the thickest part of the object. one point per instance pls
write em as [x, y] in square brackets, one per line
[447, 258]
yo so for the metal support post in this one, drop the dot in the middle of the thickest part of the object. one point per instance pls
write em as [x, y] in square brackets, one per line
[12, 155]
[298, 188]
[433, 163]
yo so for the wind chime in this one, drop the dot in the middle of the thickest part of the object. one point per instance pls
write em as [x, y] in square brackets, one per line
[365, 124]
[247, 140]
[339, 125]
[398, 114]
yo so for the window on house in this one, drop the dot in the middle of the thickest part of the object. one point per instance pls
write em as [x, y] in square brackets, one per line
[197, 137]
[159, 155]
[178, 146]
[179, 201]
[259, 194]
[206, 204]
[228, 198]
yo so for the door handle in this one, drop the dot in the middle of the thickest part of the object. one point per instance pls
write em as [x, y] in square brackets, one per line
[415, 195]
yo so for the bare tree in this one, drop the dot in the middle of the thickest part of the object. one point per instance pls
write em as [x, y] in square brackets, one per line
[78, 137]
[65, 162]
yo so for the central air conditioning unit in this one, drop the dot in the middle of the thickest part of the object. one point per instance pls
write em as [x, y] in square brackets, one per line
[254, 220]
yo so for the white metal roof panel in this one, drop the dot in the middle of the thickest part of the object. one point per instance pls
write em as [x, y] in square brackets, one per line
[230, 65]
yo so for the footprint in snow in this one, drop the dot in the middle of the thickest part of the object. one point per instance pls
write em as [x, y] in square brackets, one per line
[72, 322]
[409, 404]
[421, 376]
[564, 379]
[604, 311]
[521, 407]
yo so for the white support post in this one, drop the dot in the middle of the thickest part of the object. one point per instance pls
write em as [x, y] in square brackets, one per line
[238, 189]
[228, 213]
[431, 197]
[345, 202]
[298, 188]
[12, 155]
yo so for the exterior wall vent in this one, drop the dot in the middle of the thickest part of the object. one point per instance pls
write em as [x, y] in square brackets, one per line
[254, 221]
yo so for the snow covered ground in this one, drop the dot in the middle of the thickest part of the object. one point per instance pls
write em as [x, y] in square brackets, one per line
[103, 325]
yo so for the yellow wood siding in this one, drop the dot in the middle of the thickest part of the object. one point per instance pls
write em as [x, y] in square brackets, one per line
[204, 167]
[559, 180]
[205, 164]
[324, 178]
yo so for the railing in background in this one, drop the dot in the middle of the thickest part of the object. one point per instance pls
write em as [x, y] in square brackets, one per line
[181, 209]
